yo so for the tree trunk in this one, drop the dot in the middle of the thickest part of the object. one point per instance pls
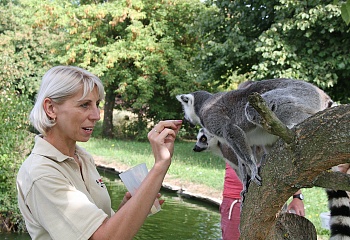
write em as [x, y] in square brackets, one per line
[107, 127]
[320, 142]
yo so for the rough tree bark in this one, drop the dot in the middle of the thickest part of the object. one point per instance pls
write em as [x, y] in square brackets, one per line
[313, 147]
[107, 127]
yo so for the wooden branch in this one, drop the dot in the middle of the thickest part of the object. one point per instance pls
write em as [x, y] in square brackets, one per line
[292, 226]
[333, 180]
[270, 121]
[321, 142]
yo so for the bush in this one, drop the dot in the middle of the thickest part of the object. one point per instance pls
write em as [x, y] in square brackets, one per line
[15, 144]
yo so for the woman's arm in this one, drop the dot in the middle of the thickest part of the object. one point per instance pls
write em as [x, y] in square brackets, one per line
[126, 222]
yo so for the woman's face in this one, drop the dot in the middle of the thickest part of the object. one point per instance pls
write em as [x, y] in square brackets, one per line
[76, 118]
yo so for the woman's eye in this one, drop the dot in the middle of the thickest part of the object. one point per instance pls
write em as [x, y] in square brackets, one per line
[84, 105]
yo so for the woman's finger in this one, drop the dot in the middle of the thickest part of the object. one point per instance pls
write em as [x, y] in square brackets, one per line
[172, 124]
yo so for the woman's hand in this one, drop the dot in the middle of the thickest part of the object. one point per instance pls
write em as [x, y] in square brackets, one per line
[298, 206]
[127, 197]
[344, 168]
[162, 138]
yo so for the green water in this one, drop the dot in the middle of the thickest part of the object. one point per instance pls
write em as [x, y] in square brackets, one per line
[179, 219]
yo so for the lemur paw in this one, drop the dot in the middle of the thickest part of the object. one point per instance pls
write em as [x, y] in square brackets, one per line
[257, 180]
[243, 193]
[255, 176]
[263, 160]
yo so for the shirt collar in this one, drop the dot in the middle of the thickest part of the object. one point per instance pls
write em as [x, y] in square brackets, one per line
[44, 148]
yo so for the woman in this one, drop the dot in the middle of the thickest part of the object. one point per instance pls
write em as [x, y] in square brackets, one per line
[60, 193]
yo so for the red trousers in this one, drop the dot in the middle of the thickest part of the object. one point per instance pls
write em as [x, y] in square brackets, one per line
[230, 210]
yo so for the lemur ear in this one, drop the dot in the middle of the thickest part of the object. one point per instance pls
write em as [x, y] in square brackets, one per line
[184, 98]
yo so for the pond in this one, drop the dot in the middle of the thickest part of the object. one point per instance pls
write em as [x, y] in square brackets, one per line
[180, 218]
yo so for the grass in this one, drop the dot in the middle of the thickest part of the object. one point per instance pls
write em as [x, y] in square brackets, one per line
[202, 168]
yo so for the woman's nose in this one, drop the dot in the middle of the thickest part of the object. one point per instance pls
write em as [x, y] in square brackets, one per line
[95, 115]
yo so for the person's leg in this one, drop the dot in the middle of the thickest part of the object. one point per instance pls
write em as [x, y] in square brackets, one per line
[230, 217]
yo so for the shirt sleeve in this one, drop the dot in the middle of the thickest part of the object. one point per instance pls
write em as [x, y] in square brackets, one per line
[64, 211]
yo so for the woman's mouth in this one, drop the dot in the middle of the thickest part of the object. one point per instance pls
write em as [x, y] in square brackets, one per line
[88, 129]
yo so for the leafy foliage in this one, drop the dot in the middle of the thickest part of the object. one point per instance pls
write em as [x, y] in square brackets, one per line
[13, 148]
[25, 53]
[345, 12]
[142, 51]
[270, 39]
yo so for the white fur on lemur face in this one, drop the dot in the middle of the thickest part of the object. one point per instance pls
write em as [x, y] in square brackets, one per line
[207, 142]
[202, 141]
[187, 102]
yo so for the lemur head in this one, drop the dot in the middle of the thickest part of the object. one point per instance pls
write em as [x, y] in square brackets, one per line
[187, 101]
[191, 104]
[202, 141]
[206, 142]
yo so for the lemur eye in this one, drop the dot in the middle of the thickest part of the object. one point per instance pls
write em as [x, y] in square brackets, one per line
[203, 139]
[185, 99]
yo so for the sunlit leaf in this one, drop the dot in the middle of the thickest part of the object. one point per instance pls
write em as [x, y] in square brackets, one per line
[345, 12]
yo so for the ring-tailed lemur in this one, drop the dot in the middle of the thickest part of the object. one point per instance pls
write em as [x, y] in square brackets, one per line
[229, 116]
[339, 207]
[208, 142]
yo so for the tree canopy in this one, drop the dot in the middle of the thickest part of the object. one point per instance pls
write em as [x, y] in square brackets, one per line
[305, 40]
[146, 52]
[141, 50]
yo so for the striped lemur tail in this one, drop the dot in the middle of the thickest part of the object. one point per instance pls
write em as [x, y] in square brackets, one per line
[339, 206]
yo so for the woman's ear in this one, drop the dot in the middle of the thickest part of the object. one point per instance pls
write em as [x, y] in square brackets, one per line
[49, 108]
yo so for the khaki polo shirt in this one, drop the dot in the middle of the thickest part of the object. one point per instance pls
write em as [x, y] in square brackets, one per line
[55, 199]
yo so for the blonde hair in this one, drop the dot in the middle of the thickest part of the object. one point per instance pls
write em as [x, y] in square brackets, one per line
[58, 84]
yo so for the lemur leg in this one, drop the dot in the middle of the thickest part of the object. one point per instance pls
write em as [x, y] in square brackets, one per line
[260, 153]
[244, 177]
[237, 140]
[233, 166]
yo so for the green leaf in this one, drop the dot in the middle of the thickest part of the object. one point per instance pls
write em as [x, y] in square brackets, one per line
[345, 12]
